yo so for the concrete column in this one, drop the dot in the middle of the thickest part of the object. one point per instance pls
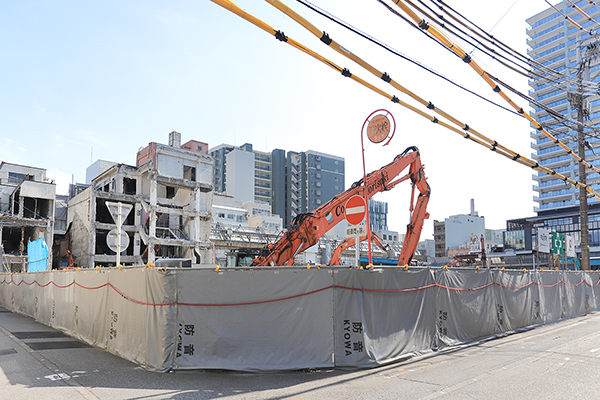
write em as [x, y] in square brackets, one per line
[152, 231]
[21, 205]
[195, 235]
[92, 244]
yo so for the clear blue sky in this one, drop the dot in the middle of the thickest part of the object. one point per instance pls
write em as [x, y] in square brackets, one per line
[98, 80]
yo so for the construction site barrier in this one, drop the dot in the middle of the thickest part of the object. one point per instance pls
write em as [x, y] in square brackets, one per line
[271, 319]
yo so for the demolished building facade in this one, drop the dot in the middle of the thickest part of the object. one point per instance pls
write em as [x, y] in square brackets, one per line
[170, 196]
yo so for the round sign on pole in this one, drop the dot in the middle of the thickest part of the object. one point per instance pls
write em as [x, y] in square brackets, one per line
[355, 210]
[378, 128]
[111, 240]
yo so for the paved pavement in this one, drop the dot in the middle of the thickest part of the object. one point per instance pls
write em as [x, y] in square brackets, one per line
[559, 361]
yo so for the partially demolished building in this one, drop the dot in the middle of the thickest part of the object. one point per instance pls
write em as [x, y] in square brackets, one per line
[169, 193]
[26, 213]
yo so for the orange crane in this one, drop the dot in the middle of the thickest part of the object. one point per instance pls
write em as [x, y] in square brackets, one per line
[351, 241]
[307, 228]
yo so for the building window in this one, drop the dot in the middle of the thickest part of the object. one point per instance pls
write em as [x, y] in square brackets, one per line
[129, 186]
[318, 184]
[189, 173]
[170, 192]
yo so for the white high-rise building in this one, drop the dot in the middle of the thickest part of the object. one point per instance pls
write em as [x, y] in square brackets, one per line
[558, 44]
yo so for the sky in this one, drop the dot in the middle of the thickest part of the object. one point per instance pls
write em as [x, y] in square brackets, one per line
[83, 81]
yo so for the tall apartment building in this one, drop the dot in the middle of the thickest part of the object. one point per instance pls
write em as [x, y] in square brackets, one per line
[558, 44]
[242, 172]
[291, 183]
[303, 181]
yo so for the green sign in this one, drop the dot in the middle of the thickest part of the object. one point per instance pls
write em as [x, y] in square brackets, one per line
[557, 243]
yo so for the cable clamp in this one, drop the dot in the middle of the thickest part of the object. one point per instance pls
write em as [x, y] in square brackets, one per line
[430, 106]
[386, 77]
[497, 89]
[346, 72]
[326, 39]
[280, 36]
[435, 120]
[466, 128]
[521, 111]
[539, 128]
[467, 136]
[494, 146]
[467, 58]
[515, 158]
[423, 25]
[535, 166]
[395, 99]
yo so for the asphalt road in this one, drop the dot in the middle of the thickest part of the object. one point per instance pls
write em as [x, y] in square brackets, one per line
[559, 361]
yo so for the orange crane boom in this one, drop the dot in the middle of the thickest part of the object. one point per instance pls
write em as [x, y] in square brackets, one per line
[351, 241]
[307, 228]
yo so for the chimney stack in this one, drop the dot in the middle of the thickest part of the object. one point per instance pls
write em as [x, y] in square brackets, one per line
[175, 139]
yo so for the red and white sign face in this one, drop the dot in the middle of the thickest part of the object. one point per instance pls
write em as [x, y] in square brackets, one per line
[356, 210]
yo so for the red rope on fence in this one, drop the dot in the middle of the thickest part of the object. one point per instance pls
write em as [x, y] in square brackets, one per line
[298, 295]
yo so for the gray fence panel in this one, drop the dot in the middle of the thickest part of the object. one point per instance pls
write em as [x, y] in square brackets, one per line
[90, 320]
[595, 282]
[577, 293]
[550, 290]
[255, 320]
[521, 300]
[140, 317]
[379, 318]
[45, 303]
[61, 289]
[466, 307]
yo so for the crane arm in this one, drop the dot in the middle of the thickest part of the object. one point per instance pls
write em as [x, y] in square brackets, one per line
[419, 214]
[351, 241]
[307, 228]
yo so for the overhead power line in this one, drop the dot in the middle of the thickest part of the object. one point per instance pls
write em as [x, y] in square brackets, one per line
[434, 31]
[345, 72]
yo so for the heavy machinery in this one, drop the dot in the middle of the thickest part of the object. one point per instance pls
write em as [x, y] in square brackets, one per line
[351, 241]
[307, 228]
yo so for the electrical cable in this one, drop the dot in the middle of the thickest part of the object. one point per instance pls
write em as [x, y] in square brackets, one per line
[501, 45]
[580, 11]
[397, 53]
[581, 28]
[432, 30]
[345, 72]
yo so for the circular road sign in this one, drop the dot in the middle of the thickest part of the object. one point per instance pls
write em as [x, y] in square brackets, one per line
[356, 208]
[111, 240]
[378, 128]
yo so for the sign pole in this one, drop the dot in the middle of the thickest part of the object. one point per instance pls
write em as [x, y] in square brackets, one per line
[378, 129]
[357, 250]
[119, 223]
[366, 196]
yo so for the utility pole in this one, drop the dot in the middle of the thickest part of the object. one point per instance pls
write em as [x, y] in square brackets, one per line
[577, 101]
